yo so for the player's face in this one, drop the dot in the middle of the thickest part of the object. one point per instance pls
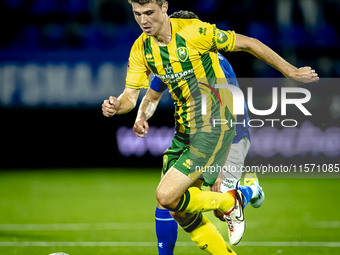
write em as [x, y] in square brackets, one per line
[150, 17]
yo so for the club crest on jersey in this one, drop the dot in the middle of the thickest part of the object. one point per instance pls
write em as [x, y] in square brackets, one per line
[221, 37]
[182, 54]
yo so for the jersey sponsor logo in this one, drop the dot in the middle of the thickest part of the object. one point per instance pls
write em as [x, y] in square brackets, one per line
[182, 54]
[172, 77]
[221, 37]
[168, 69]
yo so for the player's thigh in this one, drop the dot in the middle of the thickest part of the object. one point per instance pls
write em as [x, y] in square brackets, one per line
[238, 152]
[181, 174]
[159, 206]
[205, 150]
[175, 180]
[173, 153]
[172, 187]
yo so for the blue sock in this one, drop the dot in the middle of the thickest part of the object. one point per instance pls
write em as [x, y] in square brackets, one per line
[166, 231]
[247, 192]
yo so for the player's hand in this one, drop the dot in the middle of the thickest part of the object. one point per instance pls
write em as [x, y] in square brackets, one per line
[217, 185]
[217, 188]
[304, 75]
[141, 128]
[219, 215]
[110, 107]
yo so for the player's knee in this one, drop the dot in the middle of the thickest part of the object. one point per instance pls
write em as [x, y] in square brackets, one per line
[166, 199]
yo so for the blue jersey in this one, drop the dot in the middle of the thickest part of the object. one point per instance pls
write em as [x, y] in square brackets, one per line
[241, 130]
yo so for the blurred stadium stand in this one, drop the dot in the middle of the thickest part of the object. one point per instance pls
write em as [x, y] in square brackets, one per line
[59, 59]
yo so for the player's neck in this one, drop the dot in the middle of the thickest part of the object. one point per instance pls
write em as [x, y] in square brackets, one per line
[163, 38]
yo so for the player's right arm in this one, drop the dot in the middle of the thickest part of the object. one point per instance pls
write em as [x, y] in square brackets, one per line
[123, 104]
[137, 78]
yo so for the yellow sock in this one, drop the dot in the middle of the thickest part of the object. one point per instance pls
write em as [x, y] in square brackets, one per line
[205, 235]
[195, 200]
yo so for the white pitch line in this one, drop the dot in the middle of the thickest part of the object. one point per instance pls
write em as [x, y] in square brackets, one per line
[126, 226]
[75, 226]
[80, 244]
[325, 224]
[153, 244]
[288, 244]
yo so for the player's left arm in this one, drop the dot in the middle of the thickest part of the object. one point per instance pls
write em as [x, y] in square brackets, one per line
[146, 109]
[263, 52]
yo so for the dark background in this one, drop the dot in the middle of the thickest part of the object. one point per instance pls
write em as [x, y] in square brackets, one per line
[41, 128]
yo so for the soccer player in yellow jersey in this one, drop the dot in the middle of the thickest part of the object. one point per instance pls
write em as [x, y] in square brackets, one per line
[183, 54]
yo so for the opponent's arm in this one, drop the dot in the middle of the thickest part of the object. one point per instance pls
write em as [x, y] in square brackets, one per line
[123, 104]
[263, 52]
[146, 109]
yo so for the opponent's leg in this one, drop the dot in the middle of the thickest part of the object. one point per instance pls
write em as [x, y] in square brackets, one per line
[166, 231]
[251, 181]
[166, 226]
[232, 171]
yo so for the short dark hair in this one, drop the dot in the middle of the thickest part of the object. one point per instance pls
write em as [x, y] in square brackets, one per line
[184, 15]
[143, 2]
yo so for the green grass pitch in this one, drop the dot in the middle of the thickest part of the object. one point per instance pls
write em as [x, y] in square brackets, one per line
[111, 211]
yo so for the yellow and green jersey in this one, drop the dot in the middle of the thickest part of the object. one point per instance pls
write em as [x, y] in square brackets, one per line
[190, 67]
